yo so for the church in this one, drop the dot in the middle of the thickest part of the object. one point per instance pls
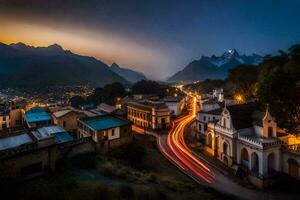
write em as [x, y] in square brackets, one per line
[249, 141]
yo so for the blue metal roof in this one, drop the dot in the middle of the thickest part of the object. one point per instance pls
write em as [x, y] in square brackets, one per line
[37, 114]
[104, 122]
[60, 135]
[63, 137]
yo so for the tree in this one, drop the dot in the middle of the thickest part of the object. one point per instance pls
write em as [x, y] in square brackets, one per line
[279, 86]
[107, 94]
[244, 79]
[151, 87]
[77, 101]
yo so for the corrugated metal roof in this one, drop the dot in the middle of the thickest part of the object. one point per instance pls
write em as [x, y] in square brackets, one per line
[14, 141]
[104, 122]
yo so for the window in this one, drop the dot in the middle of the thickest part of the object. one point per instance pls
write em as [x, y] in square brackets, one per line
[64, 124]
[214, 118]
[200, 127]
[225, 147]
[204, 118]
[4, 118]
[112, 132]
[224, 122]
[4, 125]
[270, 131]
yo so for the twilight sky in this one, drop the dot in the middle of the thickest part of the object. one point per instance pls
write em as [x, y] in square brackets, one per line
[157, 37]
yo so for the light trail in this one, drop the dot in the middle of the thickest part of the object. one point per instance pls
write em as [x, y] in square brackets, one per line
[176, 150]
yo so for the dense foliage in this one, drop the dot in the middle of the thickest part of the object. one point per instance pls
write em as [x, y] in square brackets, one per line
[279, 86]
[107, 94]
[244, 78]
[152, 87]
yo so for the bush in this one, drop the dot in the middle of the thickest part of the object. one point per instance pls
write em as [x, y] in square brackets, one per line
[126, 192]
[87, 161]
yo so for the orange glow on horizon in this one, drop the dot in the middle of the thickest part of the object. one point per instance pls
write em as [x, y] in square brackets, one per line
[105, 46]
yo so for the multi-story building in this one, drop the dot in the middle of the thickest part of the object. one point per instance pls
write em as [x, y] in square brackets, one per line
[107, 131]
[175, 104]
[246, 139]
[16, 114]
[4, 119]
[149, 114]
[202, 120]
[37, 117]
[67, 119]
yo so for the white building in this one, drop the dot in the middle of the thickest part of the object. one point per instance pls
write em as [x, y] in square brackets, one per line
[202, 120]
[218, 94]
[246, 140]
[175, 104]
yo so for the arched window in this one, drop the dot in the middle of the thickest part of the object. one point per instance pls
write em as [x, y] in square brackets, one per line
[245, 158]
[270, 131]
[225, 148]
[209, 140]
[254, 162]
[271, 163]
[293, 168]
[224, 122]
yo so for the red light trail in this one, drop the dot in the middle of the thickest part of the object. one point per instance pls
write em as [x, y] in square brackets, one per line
[175, 149]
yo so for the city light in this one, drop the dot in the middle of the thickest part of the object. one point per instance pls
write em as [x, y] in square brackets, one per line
[239, 98]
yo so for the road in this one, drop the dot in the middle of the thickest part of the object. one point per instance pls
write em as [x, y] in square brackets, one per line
[174, 148]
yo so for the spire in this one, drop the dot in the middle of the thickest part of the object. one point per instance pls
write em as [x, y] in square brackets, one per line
[267, 113]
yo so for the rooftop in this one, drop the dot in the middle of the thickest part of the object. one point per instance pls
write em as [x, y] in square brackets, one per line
[106, 108]
[14, 141]
[147, 104]
[61, 113]
[104, 122]
[59, 134]
[173, 98]
[37, 114]
[242, 115]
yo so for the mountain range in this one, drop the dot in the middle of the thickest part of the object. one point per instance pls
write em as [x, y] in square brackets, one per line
[129, 74]
[214, 67]
[26, 66]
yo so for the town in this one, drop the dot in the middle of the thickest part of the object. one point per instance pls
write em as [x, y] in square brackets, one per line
[146, 100]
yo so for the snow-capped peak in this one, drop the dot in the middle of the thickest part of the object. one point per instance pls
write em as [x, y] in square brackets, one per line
[230, 53]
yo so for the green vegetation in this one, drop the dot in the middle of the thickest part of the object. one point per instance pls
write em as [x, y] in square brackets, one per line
[107, 94]
[279, 87]
[152, 87]
[244, 78]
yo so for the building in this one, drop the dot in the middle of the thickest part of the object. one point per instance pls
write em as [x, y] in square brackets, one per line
[16, 114]
[247, 140]
[105, 108]
[27, 153]
[67, 119]
[202, 120]
[149, 114]
[107, 131]
[218, 94]
[175, 104]
[4, 118]
[37, 117]
[52, 134]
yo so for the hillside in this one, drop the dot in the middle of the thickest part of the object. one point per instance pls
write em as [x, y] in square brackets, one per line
[214, 67]
[128, 74]
[26, 66]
